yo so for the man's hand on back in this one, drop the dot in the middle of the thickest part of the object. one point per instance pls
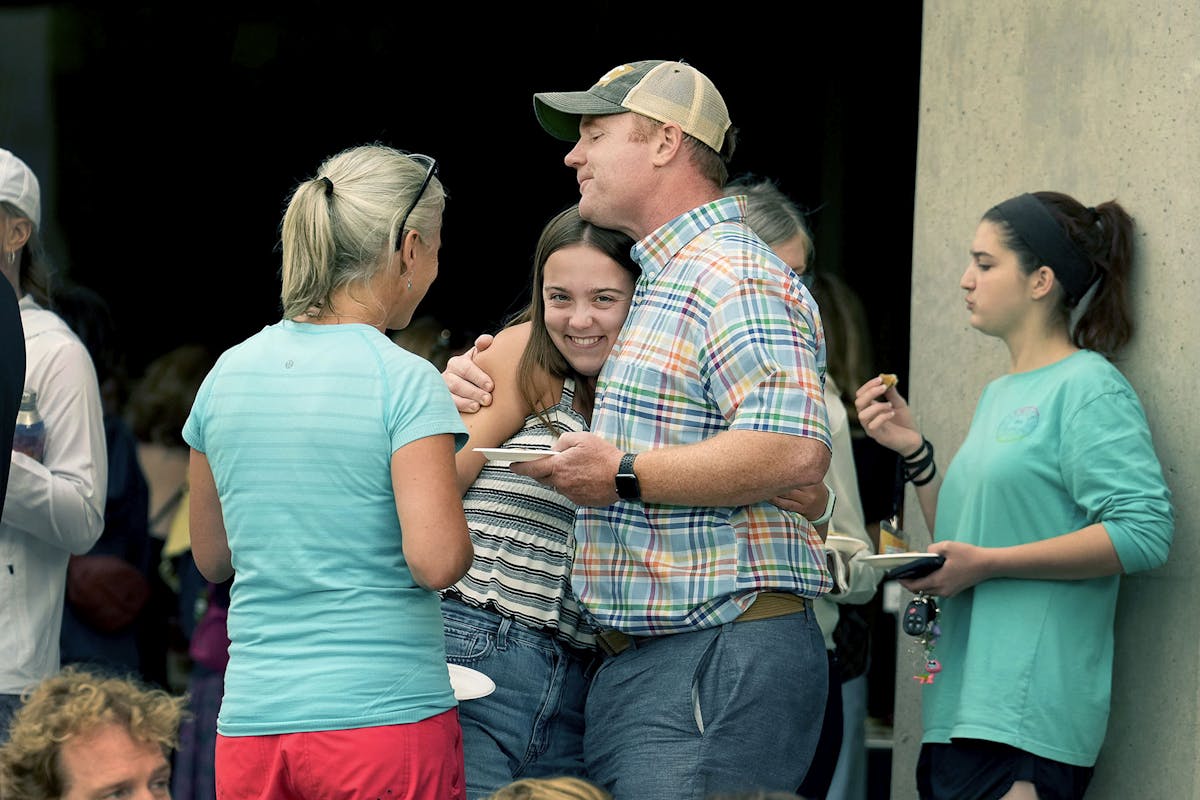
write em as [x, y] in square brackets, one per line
[470, 386]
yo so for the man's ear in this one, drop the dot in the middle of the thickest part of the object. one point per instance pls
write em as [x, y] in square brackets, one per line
[670, 142]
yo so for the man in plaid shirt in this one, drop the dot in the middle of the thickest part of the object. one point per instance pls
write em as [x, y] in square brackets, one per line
[710, 405]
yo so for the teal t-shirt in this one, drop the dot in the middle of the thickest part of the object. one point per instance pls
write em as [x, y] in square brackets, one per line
[328, 628]
[1029, 662]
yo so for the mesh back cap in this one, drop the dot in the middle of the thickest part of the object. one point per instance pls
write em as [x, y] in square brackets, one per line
[667, 91]
[19, 186]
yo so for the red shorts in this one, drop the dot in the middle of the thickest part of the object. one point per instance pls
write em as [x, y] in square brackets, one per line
[417, 761]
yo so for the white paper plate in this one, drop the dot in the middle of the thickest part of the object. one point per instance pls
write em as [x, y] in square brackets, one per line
[513, 453]
[468, 683]
[847, 545]
[887, 561]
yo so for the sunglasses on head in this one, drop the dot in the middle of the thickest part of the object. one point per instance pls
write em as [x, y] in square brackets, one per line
[429, 173]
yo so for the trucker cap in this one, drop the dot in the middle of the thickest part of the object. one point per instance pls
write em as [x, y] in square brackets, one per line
[668, 91]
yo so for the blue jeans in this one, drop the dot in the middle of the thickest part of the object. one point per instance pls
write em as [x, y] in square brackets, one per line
[736, 708]
[850, 777]
[9, 703]
[532, 725]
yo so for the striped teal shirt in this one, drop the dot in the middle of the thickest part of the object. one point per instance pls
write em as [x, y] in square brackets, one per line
[329, 630]
[722, 335]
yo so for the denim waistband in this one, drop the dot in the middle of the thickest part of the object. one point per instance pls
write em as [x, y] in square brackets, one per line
[504, 627]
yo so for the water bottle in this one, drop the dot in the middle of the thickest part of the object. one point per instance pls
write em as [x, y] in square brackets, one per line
[30, 435]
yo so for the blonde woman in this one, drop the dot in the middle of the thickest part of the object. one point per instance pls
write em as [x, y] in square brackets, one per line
[322, 478]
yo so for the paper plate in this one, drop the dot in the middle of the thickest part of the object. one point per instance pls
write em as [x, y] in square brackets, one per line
[513, 453]
[468, 683]
[892, 560]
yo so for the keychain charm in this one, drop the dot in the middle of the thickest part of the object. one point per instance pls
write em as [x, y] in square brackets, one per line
[920, 622]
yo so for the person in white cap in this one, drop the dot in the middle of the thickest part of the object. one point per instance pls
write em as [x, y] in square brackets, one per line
[709, 405]
[54, 507]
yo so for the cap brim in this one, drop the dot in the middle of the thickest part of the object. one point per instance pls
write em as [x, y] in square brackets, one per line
[559, 112]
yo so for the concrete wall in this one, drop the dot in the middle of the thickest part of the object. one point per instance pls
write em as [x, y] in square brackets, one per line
[1102, 101]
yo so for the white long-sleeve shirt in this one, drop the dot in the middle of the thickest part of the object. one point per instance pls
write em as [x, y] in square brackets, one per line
[54, 508]
[847, 520]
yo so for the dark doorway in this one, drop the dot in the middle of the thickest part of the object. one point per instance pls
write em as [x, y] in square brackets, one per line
[178, 135]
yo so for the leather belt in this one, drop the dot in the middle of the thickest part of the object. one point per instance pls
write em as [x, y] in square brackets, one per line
[765, 606]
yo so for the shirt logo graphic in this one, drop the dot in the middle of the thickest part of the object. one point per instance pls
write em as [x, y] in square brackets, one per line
[1018, 424]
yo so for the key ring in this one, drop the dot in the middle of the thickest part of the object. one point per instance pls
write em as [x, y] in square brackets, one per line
[920, 622]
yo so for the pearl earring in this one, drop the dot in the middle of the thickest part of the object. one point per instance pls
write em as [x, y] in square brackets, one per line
[12, 259]
[410, 283]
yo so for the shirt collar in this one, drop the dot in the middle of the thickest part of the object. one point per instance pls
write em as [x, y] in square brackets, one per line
[656, 250]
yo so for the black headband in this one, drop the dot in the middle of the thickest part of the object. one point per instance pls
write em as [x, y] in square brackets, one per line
[1034, 225]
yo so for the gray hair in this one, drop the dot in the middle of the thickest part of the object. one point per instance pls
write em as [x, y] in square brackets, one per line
[340, 226]
[771, 213]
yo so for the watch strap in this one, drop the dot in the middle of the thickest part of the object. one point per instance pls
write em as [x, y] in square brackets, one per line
[627, 482]
[829, 504]
[626, 467]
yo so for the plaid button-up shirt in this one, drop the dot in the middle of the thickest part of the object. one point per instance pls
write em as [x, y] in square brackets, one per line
[721, 335]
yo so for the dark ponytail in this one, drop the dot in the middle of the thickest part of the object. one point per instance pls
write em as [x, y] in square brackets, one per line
[1105, 235]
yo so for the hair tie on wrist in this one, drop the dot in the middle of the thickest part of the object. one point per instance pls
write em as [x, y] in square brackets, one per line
[916, 463]
[919, 453]
[927, 478]
[328, 186]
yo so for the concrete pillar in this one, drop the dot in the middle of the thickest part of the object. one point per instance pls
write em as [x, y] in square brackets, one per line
[1102, 101]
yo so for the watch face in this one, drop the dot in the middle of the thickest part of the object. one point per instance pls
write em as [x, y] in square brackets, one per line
[628, 488]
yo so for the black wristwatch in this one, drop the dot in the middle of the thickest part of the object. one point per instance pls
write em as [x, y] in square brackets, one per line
[627, 482]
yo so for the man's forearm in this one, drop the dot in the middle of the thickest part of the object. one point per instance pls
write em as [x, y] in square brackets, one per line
[733, 468]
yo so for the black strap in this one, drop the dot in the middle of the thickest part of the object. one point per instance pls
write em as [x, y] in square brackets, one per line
[168, 508]
[898, 491]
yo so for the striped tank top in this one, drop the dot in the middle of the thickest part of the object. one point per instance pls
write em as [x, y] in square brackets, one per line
[524, 538]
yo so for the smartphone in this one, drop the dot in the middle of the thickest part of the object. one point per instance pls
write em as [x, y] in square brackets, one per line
[915, 569]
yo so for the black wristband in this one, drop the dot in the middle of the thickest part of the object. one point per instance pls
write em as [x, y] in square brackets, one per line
[927, 478]
[920, 453]
[918, 462]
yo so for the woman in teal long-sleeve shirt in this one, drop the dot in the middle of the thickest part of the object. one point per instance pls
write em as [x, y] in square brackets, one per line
[1055, 493]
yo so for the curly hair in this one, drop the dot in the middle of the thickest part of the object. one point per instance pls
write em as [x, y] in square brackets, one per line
[71, 703]
[560, 788]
